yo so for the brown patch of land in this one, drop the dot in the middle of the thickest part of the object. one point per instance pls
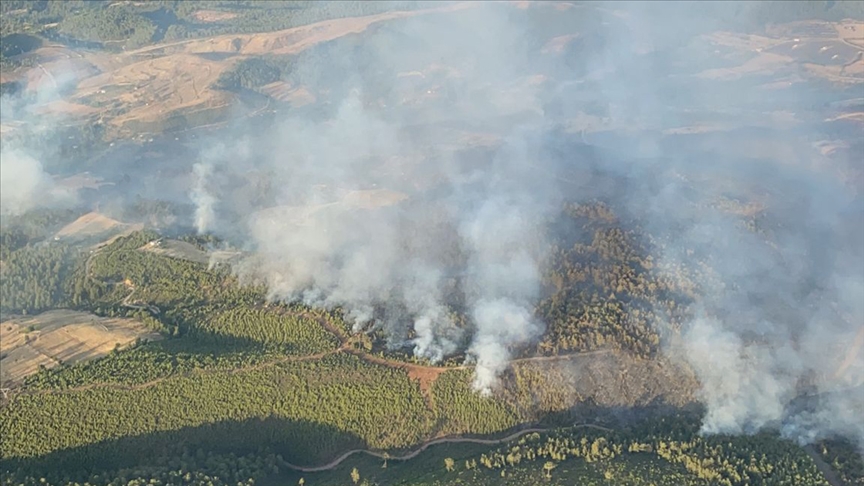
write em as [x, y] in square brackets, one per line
[97, 228]
[765, 63]
[851, 31]
[88, 225]
[282, 91]
[833, 51]
[82, 181]
[62, 107]
[138, 90]
[151, 90]
[425, 376]
[208, 16]
[61, 336]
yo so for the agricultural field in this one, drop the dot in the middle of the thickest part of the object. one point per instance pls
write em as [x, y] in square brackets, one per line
[177, 249]
[62, 337]
[94, 227]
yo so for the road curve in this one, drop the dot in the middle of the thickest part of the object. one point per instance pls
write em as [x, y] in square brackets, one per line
[443, 440]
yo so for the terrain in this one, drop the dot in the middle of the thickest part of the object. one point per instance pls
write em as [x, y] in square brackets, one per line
[57, 337]
[148, 336]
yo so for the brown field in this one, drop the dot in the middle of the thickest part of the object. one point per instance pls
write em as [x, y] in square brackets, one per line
[97, 228]
[60, 336]
[851, 31]
[62, 107]
[208, 16]
[155, 89]
[826, 50]
[82, 181]
[137, 90]
[764, 64]
[142, 90]
[282, 91]
[88, 225]
[849, 74]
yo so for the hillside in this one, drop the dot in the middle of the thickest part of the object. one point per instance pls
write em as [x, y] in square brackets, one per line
[431, 243]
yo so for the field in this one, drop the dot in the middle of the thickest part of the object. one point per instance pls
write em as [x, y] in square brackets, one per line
[177, 249]
[94, 226]
[140, 89]
[173, 84]
[62, 336]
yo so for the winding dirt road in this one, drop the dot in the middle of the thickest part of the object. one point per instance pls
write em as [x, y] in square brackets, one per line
[443, 440]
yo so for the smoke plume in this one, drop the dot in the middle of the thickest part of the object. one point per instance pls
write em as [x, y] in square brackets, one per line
[425, 192]
[204, 201]
[25, 183]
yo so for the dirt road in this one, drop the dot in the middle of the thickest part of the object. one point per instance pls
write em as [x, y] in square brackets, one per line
[443, 440]
[823, 467]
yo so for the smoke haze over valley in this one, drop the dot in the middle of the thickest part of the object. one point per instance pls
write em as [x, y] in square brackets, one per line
[466, 229]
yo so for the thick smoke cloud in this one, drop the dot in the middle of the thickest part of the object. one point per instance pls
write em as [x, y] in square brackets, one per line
[391, 215]
[25, 183]
[22, 182]
[779, 307]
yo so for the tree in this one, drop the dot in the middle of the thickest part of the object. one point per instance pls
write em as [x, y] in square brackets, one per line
[448, 464]
[548, 467]
[355, 475]
[301, 482]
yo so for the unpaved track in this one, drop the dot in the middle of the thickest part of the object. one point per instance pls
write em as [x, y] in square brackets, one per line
[826, 470]
[443, 440]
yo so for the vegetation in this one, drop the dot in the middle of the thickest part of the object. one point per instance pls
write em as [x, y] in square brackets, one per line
[763, 459]
[380, 406]
[243, 388]
[252, 387]
[250, 73]
[845, 459]
[34, 277]
[661, 450]
[128, 25]
[147, 363]
[461, 410]
[604, 290]
[16, 44]
[36, 225]
[108, 24]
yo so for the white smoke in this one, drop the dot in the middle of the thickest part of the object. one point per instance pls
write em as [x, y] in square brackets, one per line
[744, 387]
[24, 184]
[393, 216]
[501, 325]
[348, 227]
[205, 213]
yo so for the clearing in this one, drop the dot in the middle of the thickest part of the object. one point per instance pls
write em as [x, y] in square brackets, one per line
[96, 226]
[61, 336]
[177, 249]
